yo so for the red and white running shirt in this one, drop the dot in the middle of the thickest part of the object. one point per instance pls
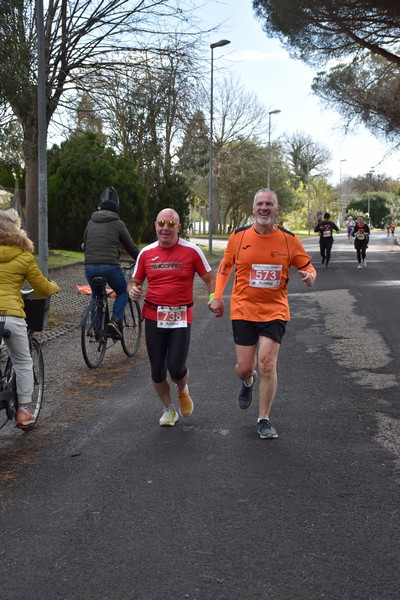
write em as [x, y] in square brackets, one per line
[170, 273]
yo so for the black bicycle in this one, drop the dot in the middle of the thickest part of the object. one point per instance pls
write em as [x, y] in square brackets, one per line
[95, 339]
[36, 310]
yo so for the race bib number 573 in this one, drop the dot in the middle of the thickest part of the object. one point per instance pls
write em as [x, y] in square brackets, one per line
[265, 276]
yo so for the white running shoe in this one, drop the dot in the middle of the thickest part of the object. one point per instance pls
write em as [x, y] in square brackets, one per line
[359, 266]
[364, 264]
[169, 417]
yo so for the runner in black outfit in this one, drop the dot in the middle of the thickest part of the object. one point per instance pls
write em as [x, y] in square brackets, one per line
[325, 229]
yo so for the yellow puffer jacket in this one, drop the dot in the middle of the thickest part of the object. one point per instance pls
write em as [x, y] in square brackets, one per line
[17, 264]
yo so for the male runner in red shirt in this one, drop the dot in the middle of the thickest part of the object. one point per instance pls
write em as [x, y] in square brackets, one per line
[169, 265]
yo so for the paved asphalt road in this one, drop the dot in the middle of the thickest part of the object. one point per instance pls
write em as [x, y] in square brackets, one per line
[100, 503]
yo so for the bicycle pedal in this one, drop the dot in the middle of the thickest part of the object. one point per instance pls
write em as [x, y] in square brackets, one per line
[115, 337]
[113, 332]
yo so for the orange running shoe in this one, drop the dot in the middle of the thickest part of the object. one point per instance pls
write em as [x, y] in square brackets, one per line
[185, 403]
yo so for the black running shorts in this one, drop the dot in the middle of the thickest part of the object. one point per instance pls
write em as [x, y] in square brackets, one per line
[246, 333]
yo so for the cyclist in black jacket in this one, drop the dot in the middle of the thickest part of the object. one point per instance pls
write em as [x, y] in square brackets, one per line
[325, 229]
[105, 233]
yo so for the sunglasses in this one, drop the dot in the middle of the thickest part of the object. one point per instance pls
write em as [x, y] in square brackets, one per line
[170, 224]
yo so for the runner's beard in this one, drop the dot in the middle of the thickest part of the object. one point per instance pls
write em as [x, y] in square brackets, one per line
[264, 220]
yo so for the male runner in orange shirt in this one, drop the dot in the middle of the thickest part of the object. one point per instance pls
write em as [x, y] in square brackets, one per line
[262, 255]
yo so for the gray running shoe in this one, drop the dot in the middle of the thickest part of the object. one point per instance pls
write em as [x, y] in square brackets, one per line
[265, 429]
[245, 396]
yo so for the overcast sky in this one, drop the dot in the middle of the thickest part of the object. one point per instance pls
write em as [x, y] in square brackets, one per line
[280, 82]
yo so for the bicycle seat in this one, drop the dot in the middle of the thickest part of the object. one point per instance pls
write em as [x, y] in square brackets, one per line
[100, 280]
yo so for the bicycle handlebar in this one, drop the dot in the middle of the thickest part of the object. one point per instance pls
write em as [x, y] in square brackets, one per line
[131, 263]
[128, 269]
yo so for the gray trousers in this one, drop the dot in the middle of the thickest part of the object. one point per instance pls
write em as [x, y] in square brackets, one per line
[18, 349]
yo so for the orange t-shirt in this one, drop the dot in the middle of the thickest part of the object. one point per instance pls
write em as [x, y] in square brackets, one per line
[262, 264]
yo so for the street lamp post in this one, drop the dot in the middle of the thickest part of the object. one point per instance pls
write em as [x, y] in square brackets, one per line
[210, 191]
[340, 192]
[308, 149]
[308, 195]
[43, 251]
[271, 112]
[371, 172]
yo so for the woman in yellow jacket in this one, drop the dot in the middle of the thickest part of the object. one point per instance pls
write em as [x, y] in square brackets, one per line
[17, 264]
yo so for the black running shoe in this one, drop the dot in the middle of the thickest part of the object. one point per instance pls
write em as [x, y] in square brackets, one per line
[245, 396]
[114, 328]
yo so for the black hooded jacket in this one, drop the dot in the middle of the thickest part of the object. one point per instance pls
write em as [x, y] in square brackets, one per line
[104, 235]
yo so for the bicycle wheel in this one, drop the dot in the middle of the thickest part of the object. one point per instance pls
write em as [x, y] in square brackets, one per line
[93, 340]
[38, 377]
[131, 328]
[8, 394]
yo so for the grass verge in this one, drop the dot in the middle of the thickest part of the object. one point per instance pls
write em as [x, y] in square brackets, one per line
[60, 258]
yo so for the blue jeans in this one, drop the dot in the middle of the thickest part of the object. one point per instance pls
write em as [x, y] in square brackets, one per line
[116, 280]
